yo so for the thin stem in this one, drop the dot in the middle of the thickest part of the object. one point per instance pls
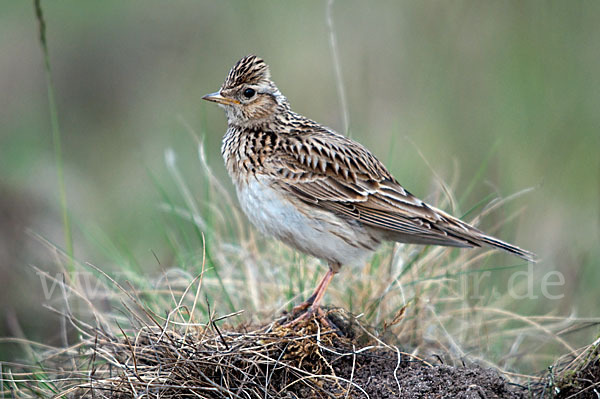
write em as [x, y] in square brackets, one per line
[337, 66]
[58, 157]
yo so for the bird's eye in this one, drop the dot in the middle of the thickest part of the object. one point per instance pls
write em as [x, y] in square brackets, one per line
[249, 93]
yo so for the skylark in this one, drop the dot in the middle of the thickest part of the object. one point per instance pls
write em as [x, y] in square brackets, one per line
[318, 191]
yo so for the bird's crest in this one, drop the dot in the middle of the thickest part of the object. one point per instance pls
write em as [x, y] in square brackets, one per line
[249, 70]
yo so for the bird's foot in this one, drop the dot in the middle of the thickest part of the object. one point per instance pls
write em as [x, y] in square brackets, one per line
[305, 312]
[310, 308]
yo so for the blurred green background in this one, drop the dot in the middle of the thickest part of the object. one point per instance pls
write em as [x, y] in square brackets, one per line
[505, 93]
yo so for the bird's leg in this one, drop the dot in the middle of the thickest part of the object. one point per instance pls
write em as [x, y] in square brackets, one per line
[320, 291]
[314, 300]
[311, 299]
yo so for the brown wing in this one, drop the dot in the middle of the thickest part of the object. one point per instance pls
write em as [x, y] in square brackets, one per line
[335, 173]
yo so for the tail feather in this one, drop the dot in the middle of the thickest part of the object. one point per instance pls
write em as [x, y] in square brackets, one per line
[494, 242]
[459, 233]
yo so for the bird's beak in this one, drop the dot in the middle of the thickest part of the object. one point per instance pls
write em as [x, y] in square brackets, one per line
[216, 97]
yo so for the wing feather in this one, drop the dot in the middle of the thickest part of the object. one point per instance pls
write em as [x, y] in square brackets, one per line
[342, 176]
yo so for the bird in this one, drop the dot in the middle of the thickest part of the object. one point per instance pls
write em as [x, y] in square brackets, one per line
[318, 191]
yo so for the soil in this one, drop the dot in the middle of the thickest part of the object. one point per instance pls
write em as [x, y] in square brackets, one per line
[385, 373]
[380, 376]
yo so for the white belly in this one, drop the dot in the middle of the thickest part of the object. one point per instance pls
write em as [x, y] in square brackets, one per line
[322, 235]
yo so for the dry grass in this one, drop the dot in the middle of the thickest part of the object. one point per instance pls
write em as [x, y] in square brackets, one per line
[167, 357]
[137, 352]
[206, 362]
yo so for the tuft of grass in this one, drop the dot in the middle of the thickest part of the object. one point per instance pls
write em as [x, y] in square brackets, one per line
[575, 375]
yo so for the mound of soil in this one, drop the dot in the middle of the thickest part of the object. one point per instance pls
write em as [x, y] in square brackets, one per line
[386, 372]
[308, 359]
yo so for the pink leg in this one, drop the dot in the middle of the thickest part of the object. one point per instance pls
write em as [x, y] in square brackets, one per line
[315, 299]
[320, 291]
[317, 295]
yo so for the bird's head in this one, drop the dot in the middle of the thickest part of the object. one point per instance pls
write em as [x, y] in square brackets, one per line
[248, 94]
